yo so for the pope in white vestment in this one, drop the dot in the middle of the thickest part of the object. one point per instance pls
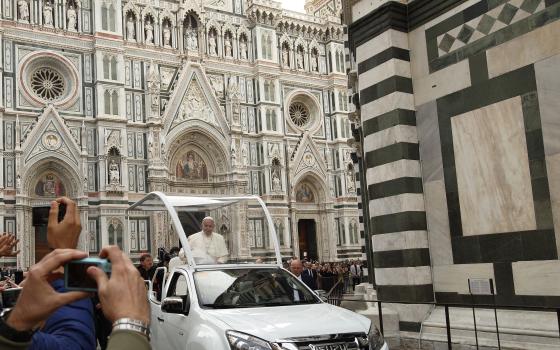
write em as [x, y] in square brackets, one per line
[208, 243]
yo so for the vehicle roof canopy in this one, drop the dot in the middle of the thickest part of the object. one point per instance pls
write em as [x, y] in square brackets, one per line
[172, 205]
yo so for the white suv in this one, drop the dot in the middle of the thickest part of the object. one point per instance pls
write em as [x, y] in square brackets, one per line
[243, 304]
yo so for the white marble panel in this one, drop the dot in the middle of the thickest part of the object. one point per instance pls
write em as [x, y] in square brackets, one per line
[399, 241]
[437, 219]
[547, 73]
[386, 104]
[396, 204]
[536, 277]
[492, 169]
[362, 8]
[385, 40]
[387, 137]
[441, 83]
[418, 53]
[526, 49]
[454, 278]
[397, 276]
[394, 170]
[383, 71]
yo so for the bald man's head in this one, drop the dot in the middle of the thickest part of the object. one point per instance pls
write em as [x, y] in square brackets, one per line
[296, 267]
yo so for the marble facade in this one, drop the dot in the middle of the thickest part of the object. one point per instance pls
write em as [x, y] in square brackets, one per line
[140, 90]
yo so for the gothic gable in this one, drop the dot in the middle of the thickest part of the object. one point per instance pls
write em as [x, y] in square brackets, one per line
[51, 137]
[308, 158]
[194, 103]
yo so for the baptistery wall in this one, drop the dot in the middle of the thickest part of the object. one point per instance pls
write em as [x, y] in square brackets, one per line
[105, 101]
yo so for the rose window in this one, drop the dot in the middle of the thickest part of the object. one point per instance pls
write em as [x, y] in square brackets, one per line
[48, 84]
[299, 114]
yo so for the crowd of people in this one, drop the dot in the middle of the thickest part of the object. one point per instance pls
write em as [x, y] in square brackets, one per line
[48, 317]
[325, 275]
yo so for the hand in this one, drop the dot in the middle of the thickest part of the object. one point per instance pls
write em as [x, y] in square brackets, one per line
[38, 300]
[64, 234]
[7, 245]
[124, 294]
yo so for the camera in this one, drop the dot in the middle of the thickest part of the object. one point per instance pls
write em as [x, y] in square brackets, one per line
[10, 297]
[61, 211]
[76, 277]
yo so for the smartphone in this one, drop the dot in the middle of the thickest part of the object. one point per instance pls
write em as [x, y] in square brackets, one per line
[76, 277]
[61, 211]
[10, 297]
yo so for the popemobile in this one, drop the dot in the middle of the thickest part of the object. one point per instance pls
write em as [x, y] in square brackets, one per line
[244, 299]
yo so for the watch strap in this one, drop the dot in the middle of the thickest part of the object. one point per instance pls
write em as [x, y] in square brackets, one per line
[12, 334]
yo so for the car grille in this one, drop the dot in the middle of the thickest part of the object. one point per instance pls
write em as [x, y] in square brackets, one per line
[348, 341]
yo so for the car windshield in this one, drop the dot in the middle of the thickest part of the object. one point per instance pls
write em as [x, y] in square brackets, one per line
[253, 287]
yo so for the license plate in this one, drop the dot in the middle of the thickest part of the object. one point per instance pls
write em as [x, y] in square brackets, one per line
[339, 346]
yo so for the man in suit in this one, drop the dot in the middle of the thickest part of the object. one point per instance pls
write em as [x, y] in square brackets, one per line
[296, 267]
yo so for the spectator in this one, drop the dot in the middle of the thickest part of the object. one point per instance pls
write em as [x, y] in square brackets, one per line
[72, 325]
[296, 267]
[146, 268]
[122, 296]
[355, 272]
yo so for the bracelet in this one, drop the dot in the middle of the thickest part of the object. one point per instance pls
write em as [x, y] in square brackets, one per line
[129, 324]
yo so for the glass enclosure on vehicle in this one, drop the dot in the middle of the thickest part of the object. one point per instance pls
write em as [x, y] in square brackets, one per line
[210, 230]
[250, 287]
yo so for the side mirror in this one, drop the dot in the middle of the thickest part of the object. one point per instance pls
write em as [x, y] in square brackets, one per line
[175, 305]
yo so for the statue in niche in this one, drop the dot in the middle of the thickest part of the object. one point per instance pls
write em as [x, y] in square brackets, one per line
[228, 47]
[23, 8]
[71, 16]
[350, 178]
[285, 56]
[114, 174]
[149, 29]
[130, 35]
[213, 44]
[47, 14]
[18, 183]
[166, 35]
[314, 61]
[276, 181]
[300, 64]
[243, 48]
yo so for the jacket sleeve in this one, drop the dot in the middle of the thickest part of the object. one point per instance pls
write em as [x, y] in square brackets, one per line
[70, 327]
[127, 340]
[6, 344]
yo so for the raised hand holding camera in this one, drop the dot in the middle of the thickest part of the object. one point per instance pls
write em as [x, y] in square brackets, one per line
[63, 232]
[38, 299]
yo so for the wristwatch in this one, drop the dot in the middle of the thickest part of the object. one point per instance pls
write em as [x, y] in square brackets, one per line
[10, 333]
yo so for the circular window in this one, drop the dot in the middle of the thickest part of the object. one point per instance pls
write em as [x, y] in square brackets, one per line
[48, 84]
[50, 78]
[299, 114]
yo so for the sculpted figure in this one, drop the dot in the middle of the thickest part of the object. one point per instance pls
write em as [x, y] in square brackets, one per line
[71, 15]
[23, 8]
[149, 28]
[47, 14]
[166, 36]
[229, 50]
[243, 48]
[130, 35]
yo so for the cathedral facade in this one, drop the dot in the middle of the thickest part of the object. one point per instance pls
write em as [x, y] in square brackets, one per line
[105, 101]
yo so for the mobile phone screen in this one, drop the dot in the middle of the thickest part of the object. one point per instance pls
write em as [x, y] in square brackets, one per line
[78, 277]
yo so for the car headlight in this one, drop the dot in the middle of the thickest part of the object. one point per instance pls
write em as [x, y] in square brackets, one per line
[242, 341]
[375, 338]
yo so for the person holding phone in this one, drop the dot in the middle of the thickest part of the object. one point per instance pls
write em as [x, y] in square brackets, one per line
[122, 296]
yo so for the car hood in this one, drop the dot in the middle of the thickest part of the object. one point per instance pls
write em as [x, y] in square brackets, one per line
[281, 322]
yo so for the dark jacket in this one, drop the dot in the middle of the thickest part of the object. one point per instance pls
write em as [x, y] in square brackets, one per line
[70, 327]
[309, 278]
